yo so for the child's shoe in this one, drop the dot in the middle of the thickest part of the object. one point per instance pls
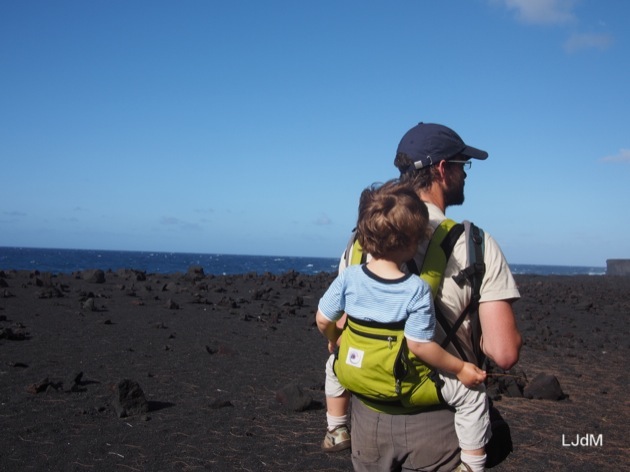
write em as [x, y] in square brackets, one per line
[336, 440]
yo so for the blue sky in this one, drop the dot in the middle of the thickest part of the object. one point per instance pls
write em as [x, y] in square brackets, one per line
[251, 127]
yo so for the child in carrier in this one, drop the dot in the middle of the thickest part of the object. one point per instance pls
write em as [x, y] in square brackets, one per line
[392, 220]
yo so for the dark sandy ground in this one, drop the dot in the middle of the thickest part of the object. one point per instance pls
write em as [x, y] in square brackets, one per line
[213, 356]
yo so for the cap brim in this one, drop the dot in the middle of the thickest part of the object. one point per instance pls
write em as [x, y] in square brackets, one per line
[474, 153]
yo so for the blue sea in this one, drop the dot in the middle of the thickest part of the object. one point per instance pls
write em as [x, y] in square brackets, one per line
[71, 260]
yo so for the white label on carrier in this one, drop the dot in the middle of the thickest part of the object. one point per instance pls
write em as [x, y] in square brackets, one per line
[355, 357]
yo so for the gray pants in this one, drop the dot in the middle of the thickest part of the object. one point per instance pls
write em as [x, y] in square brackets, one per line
[422, 442]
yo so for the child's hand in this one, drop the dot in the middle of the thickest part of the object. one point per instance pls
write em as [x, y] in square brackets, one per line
[471, 375]
[332, 345]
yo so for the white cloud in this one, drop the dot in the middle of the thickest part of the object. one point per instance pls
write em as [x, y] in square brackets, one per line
[170, 221]
[558, 12]
[622, 156]
[323, 220]
[204, 210]
[542, 11]
[578, 42]
[181, 224]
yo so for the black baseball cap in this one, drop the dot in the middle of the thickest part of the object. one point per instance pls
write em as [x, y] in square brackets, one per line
[427, 144]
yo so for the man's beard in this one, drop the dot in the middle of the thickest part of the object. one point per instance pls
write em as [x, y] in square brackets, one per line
[454, 193]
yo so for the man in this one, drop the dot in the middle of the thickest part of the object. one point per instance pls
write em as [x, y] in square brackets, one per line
[432, 158]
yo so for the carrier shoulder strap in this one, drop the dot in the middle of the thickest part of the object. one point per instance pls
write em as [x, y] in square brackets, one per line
[439, 251]
[434, 265]
[354, 252]
[472, 274]
[436, 257]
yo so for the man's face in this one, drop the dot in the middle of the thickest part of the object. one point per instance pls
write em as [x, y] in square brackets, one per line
[454, 184]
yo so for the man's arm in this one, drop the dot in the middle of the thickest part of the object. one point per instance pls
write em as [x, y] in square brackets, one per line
[501, 341]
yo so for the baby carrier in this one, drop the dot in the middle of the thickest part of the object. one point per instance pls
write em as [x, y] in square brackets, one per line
[374, 361]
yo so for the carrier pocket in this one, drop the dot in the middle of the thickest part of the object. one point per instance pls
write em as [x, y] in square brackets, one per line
[374, 363]
[371, 359]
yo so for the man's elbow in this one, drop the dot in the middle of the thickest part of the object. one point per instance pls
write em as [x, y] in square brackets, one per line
[508, 356]
[507, 361]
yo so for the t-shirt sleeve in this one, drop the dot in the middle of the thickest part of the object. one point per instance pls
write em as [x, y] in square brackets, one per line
[498, 282]
[333, 302]
[420, 325]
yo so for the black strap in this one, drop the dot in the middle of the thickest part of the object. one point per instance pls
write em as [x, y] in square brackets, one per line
[474, 275]
[480, 271]
[448, 244]
[451, 238]
[412, 267]
[452, 330]
[394, 325]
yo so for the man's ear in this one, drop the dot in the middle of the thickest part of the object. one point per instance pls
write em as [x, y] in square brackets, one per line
[441, 168]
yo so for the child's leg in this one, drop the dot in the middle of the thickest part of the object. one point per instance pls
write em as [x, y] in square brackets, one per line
[337, 401]
[336, 410]
[337, 398]
[472, 422]
[476, 462]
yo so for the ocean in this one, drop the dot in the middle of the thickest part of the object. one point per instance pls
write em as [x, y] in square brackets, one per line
[71, 260]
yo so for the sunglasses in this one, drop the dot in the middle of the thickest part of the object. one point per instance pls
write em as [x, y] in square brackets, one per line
[465, 164]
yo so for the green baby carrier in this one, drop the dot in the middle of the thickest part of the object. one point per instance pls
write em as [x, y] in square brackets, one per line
[373, 361]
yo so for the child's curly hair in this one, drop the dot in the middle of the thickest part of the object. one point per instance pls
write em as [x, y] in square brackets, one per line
[391, 219]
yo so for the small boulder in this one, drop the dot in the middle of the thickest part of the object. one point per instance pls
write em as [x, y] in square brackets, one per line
[195, 273]
[171, 304]
[129, 399]
[94, 276]
[74, 382]
[294, 398]
[544, 387]
[89, 305]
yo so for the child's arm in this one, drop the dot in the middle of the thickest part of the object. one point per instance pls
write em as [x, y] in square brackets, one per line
[432, 353]
[329, 329]
[341, 324]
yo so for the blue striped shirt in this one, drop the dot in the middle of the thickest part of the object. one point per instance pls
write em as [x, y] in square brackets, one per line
[366, 296]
